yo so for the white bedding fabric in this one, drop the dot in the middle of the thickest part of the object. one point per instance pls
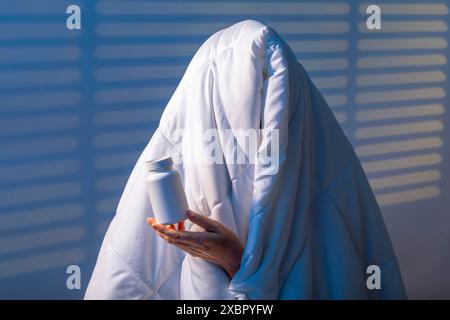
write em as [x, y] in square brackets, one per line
[310, 231]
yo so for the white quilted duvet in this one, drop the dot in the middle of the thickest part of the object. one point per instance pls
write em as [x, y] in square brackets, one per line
[310, 228]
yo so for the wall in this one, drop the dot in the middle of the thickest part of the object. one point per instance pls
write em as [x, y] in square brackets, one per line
[77, 107]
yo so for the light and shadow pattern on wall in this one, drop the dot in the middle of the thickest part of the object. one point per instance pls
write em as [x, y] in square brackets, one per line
[77, 107]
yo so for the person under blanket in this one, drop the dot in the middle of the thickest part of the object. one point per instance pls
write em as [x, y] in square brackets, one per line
[304, 225]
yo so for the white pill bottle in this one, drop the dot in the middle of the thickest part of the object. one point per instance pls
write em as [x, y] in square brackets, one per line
[166, 192]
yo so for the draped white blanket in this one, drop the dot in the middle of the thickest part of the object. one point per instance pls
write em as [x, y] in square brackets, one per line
[310, 230]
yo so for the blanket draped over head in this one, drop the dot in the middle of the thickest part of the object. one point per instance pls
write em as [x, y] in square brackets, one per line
[310, 223]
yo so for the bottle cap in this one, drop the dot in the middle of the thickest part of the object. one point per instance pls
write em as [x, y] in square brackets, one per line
[159, 165]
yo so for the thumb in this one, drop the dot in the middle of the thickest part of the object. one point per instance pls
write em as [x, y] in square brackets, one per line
[202, 221]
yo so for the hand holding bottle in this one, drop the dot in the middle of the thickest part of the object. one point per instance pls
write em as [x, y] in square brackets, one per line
[216, 243]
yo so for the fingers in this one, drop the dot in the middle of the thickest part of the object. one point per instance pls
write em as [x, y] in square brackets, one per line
[166, 231]
[202, 221]
[172, 236]
[180, 224]
[200, 240]
[180, 243]
[152, 221]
